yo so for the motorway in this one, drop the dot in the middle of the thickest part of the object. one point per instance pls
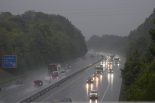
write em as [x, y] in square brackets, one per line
[108, 86]
[12, 92]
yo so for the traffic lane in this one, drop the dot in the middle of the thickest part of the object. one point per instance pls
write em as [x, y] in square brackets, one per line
[82, 63]
[76, 88]
[114, 84]
[73, 88]
[110, 82]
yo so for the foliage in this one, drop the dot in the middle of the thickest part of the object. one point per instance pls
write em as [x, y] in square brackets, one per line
[38, 38]
[139, 72]
[133, 67]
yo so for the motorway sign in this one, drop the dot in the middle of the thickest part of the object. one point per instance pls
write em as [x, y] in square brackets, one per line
[9, 61]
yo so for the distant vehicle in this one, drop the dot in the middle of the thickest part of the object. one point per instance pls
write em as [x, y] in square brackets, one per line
[103, 63]
[38, 83]
[68, 66]
[116, 60]
[99, 68]
[93, 95]
[109, 65]
[54, 70]
[112, 57]
[103, 57]
[110, 70]
[90, 81]
[99, 72]
[95, 75]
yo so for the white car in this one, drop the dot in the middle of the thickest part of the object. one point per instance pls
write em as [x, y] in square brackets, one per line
[93, 94]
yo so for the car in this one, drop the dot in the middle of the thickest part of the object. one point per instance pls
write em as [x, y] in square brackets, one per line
[99, 68]
[116, 59]
[90, 80]
[110, 71]
[109, 65]
[112, 57]
[38, 83]
[96, 75]
[93, 94]
[99, 72]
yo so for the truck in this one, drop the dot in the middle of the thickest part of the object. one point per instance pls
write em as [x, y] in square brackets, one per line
[116, 60]
[54, 70]
[99, 68]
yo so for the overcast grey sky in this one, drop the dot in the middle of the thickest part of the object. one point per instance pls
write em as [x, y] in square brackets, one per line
[97, 17]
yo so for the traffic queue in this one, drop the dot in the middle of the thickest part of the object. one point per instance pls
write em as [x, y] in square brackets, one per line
[106, 65]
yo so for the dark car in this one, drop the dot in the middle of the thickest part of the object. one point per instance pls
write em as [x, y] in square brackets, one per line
[90, 81]
[38, 83]
[110, 71]
[99, 72]
[95, 75]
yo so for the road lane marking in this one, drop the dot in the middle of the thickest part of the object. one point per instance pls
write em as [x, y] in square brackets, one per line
[105, 92]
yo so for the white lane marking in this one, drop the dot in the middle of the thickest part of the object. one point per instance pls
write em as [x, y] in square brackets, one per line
[105, 92]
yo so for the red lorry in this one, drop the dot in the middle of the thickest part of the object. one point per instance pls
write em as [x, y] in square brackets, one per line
[54, 70]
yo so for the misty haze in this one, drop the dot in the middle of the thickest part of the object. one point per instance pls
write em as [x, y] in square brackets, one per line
[64, 51]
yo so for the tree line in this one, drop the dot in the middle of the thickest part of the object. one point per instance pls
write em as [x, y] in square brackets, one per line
[108, 43]
[139, 71]
[38, 38]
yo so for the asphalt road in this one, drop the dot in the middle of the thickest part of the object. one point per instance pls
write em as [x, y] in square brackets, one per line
[108, 86]
[16, 92]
